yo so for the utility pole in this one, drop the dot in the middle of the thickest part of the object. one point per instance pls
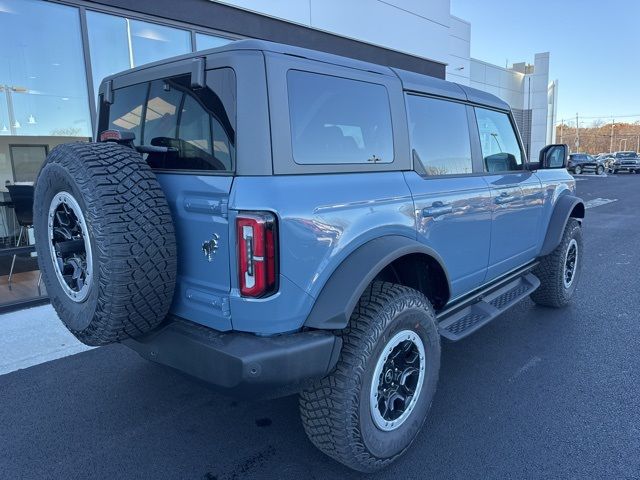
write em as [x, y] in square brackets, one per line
[561, 129]
[613, 124]
[638, 145]
[577, 134]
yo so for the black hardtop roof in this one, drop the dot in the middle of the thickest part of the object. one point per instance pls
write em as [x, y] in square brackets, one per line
[410, 80]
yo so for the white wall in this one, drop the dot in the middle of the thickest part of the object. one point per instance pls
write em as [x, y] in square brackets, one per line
[459, 67]
[538, 102]
[502, 82]
[416, 27]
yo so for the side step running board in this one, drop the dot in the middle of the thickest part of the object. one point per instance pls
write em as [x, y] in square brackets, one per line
[464, 322]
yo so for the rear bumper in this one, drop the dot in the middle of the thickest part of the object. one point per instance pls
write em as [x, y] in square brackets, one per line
[239, 362]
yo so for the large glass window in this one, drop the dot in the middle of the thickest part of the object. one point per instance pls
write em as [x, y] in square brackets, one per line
[43, 86]
[338, 121]
[108, 44]
[43, 102]
[439, 133]
[204, 42]
[151, 42]
[500, 147]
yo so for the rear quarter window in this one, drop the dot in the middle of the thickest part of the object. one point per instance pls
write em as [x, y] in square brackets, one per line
[338, 121]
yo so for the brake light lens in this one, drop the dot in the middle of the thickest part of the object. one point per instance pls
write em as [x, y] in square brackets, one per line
[257, 238]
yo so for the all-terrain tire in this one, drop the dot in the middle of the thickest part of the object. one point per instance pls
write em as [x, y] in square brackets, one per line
[336, 411]
[131, 236]
[553, 291]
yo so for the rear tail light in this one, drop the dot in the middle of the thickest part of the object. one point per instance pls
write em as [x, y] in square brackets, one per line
[257, 238]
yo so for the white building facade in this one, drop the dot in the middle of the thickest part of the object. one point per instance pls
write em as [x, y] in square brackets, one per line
[427, 29]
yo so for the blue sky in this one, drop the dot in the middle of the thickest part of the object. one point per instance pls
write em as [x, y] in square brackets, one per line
[594, 45]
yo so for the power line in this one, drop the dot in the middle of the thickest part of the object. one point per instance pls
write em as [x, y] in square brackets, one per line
[597, 117]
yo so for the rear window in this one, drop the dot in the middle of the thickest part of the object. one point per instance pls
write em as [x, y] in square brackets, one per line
[338, 121]
[125, 113]
[197, 125]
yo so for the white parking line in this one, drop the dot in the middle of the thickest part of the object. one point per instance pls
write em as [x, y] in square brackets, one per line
[533, 361]
[580, 177]
[596, 202]
[34, 336]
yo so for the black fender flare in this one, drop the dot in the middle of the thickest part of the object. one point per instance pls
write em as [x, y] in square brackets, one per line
[338, 298]
[565, 206]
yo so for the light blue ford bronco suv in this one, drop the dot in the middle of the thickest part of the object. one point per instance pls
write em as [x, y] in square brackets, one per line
[272, 220]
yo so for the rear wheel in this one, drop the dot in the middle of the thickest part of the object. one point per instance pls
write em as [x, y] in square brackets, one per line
[105, 241]
[578, 170]
[599, 170]
[559, 271]
[369, 410]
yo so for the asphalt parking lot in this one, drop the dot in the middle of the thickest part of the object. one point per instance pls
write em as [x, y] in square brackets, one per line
[538, 393]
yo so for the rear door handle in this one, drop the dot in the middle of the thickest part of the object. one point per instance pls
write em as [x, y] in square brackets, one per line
[504, 197]
[437, 209]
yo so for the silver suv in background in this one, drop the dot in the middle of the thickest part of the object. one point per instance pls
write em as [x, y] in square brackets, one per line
[626, 162]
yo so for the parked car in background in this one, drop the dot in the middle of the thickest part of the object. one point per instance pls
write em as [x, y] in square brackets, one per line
[582, 162]
[607, 159]
[626, 162]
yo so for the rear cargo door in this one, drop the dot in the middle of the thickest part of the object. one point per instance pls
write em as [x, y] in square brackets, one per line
[184, 121]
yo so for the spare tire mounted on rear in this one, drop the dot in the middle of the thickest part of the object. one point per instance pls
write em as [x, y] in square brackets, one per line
[105, 241]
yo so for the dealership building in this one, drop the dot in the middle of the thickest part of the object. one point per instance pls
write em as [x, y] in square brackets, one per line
[55, 53]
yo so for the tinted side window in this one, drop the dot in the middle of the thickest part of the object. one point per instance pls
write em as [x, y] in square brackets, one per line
[338, 121]
[500, 148]
[198, 126]
[125, 114]
[439, 134]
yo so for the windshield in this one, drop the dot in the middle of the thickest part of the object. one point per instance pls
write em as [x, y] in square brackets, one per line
[626, 154]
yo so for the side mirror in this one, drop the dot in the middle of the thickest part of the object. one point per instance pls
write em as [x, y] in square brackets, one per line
[554, 156]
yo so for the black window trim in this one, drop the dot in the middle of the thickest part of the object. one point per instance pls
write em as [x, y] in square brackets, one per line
[277, 65]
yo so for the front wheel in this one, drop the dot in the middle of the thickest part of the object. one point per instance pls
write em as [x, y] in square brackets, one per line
[599, 170]
[369, 410]
[577, 170]
[559, 271]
